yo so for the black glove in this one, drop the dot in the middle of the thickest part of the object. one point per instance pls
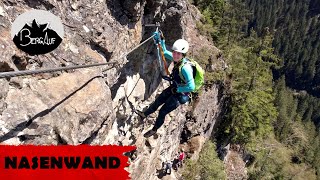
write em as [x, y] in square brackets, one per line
[174, 90]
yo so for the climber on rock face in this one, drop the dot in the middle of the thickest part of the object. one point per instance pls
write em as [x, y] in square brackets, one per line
[181, 158]
[179, 90]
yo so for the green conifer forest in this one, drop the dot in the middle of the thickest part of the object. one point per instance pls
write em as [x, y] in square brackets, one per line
[273, 50]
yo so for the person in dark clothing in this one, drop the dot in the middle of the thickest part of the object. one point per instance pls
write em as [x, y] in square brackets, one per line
[167, 168]
[179, 91]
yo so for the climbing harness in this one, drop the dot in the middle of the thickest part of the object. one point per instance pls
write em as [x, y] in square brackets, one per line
[47, 70]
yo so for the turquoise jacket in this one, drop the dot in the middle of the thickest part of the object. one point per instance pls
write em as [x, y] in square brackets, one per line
[186, 71]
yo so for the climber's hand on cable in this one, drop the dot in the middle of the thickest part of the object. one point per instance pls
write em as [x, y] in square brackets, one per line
[156, 37]
[174, 90]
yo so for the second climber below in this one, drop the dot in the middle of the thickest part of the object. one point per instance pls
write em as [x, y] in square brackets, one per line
[179, 90]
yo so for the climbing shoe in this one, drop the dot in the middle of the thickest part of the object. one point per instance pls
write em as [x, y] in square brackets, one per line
[141, 114]
[149, 133]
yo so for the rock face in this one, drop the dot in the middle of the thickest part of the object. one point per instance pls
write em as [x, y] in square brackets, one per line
[96, 105]
[235, 166]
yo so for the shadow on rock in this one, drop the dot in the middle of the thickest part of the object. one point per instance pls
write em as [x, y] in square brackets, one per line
[23, 125]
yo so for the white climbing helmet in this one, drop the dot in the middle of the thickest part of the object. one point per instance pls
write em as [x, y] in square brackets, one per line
[181, 46]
